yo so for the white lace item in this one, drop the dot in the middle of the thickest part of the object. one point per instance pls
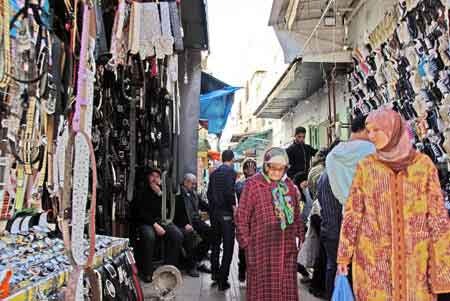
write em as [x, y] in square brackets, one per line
[145, 32]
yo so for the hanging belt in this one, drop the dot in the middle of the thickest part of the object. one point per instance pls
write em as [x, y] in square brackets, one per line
[42, 172]
[101, 45]
[177, 29]
[50, 152]
[6, 199]
[29, 135]
[20, 190]
[5, 7]
[131, 179]
[75, 249]
[84, 152]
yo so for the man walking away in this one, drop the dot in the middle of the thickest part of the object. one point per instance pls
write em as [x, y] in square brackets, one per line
[300, 154]
[222, 200]
[249, 169]
[342, 160]
[331, 213]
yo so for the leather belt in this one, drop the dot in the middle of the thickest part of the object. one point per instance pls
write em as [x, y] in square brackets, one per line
[37, 196]
[50, 151]
[29, 135]
[177, 29]
[101, 45]
[20, 190]
[84, 151]
[75, 251]
[131, 179]
[5, 10]
[6, 199]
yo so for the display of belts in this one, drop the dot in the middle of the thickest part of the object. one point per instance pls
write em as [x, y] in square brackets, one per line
[406, 64]
[89, 100]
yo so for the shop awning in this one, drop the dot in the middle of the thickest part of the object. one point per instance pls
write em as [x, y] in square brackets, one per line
[256, 141]
[216, 102]
[299, 81]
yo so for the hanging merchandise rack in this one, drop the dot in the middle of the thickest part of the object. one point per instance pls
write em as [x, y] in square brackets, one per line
[90, 100]
[406, 64]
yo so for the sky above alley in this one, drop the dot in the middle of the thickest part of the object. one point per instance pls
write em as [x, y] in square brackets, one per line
[240, 38]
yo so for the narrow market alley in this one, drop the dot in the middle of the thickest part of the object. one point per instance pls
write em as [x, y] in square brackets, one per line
[224, 150]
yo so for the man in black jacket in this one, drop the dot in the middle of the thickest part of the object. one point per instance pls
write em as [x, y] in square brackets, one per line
[300, 154]
[249, 169]
[147, 214]
[187, 218]
[222, 204]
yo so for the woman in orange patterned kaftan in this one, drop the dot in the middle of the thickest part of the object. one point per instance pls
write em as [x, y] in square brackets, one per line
[395, 231]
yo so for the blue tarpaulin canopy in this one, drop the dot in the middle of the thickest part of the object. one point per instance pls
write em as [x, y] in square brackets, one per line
[216, 102]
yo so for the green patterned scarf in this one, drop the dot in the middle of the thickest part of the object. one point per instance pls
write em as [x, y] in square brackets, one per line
[284, 209]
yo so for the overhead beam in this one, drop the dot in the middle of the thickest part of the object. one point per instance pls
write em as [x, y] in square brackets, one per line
[330, 57]
[322, 39]
[278, 6]
[293, 13]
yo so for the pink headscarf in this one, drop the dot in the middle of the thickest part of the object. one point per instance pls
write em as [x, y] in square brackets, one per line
[399, 153]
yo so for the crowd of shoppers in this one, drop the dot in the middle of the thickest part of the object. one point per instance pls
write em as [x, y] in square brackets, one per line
[370, 208]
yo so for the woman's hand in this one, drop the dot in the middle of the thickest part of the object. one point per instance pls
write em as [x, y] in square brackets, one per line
[343, 269]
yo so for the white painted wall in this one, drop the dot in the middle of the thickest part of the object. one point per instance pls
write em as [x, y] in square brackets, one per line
[311, 111]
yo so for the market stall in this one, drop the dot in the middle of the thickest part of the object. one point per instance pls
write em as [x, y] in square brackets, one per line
[90, 100]
[40, 269]
[405, 63]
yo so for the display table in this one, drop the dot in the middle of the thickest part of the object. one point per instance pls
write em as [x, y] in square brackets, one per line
[40, 267]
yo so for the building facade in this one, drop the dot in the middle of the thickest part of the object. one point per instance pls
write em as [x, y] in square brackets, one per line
[317, 38]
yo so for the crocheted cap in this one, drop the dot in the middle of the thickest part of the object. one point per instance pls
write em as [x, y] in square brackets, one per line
[276, 155]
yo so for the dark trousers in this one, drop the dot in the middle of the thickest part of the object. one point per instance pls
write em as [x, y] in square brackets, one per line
[223, 230]
[189, 248]
[242, 265]
[318, 278]
[173, 238]
[205, 232]
[331, 248]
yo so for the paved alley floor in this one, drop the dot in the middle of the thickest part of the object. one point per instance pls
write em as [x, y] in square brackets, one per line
[199, 289]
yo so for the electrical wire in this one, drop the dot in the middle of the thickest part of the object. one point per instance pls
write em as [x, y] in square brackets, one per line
[316, 27]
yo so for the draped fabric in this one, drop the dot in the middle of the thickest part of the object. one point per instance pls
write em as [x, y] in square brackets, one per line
[397, 231]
